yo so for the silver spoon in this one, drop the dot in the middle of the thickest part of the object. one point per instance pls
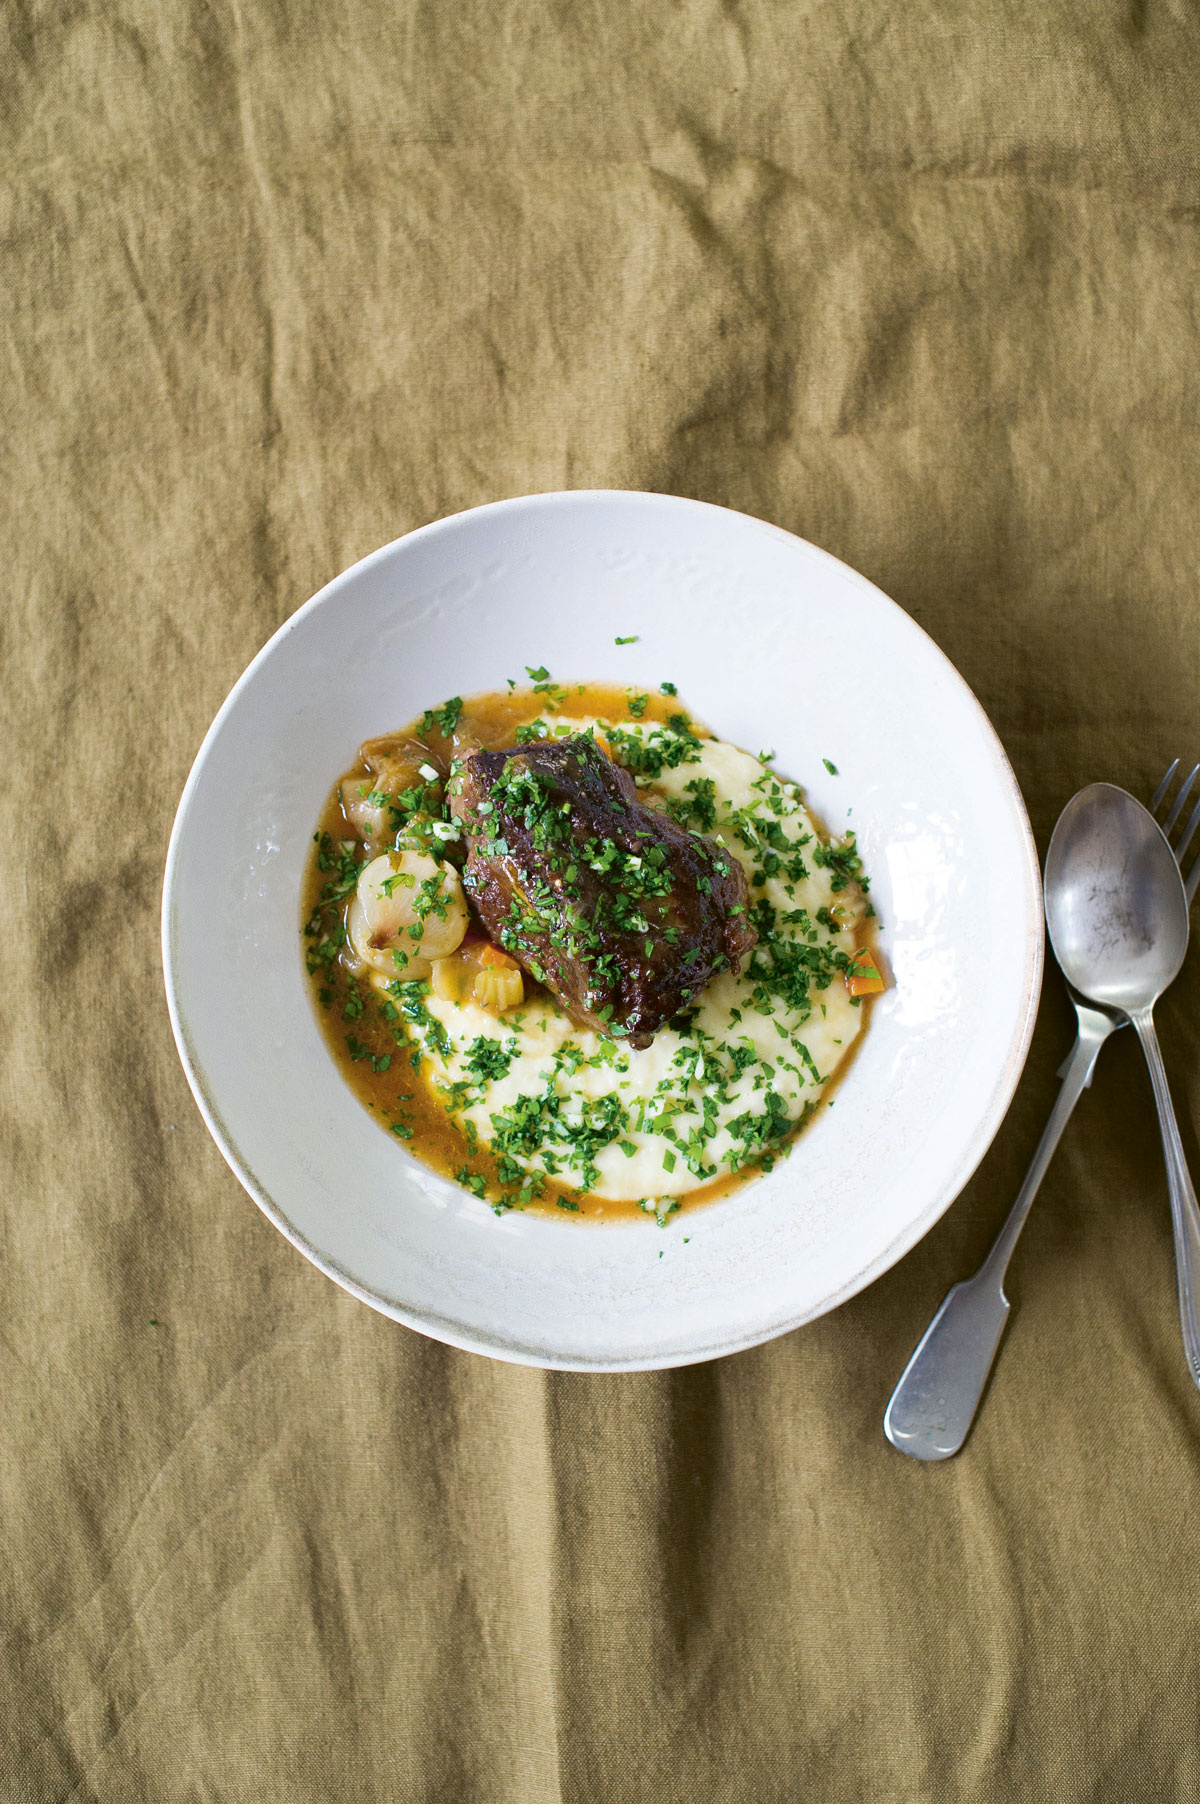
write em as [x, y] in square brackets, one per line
[933, 1406]
[1118, 918]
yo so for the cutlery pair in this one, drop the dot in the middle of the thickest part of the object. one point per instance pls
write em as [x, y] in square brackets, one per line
[1120, 941]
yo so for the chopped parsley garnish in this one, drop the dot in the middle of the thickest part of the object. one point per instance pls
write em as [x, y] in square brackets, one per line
[842, 862]
[488, 1061]
[542, 684]
[443, 719]
[341, 859]
[697, 807]
[410, 998]
[648, 751]
[544, 1125]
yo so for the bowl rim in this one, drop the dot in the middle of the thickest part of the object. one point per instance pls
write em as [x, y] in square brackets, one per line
[449, 1331]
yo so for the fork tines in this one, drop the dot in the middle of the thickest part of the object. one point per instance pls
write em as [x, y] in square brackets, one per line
[1167, 813]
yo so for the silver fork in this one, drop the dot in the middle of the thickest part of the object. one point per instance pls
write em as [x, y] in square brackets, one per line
[935, 1403]
[1179, 845]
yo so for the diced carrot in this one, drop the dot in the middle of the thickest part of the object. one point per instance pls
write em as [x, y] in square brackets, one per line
[863, 976]
[492, 955]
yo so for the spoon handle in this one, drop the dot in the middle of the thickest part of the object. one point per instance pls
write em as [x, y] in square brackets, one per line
[1185, 1218]
[933, 1406]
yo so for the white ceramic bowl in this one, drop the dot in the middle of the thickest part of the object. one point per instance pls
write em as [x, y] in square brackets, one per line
[771, 643]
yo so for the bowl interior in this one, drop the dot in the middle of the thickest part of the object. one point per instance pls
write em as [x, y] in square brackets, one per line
[773, 644]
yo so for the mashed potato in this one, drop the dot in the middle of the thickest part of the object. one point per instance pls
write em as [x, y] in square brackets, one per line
[721, 1087]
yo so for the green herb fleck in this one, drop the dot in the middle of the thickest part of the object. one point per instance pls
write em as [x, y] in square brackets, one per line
[488, 1061]
[444, 719]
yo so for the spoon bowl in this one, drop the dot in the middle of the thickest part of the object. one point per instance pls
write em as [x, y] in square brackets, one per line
[1115, 901]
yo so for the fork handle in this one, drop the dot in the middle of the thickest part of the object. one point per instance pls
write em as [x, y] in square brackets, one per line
[1185, 1217]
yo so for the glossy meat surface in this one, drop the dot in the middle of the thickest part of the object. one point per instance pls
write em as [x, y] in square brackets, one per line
[620, 911]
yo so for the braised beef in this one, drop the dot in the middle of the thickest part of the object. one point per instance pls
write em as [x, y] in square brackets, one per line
[620, 911]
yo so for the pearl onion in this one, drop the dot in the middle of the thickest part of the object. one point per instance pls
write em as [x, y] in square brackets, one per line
[394, 924]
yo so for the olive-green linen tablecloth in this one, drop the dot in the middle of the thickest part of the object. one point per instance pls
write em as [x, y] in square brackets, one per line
[281, 281]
